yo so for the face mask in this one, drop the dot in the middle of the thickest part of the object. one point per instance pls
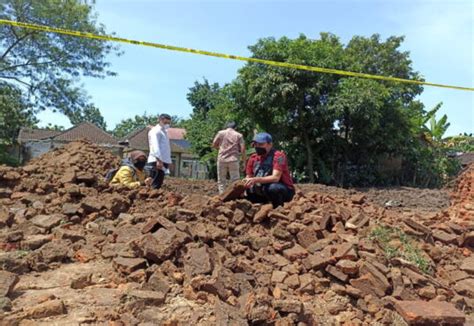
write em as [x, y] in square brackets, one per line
[167, 126]
[140, 165]
[260, 150]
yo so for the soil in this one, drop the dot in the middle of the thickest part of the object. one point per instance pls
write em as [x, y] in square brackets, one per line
[76, 251]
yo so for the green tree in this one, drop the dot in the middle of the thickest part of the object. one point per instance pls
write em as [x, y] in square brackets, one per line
[437, 128]
[90, 114]
[47, 66]
[358, 106]
[126, 126]
[213, 106]
[292, 104]
[14, 113]
[332, 127]
[55, 127]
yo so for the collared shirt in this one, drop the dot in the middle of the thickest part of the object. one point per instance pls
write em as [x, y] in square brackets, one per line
[280, 163]
[159, 143]
[230, 143]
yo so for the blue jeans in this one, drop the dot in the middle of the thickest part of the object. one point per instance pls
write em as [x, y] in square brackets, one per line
[277, 193]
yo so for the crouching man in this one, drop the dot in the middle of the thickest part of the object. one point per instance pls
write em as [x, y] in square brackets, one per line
[267, 175]
[131, 172]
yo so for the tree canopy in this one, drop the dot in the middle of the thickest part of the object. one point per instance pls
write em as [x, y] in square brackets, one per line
[126, 126]
[90, 114]
[336, 130]
[44, 68]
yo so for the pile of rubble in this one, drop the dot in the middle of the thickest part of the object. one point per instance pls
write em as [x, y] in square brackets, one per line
[159, 257]
[462, 207]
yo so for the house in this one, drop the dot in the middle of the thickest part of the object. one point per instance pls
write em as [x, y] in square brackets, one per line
[185, 164]
[34, 142]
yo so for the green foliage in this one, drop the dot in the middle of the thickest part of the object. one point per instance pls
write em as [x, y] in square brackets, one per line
[212, 109]
[291, 104]
[436, 128]
[45, 67]
[429, 166]
[461, 143]
[14, 113]
[407, 250]
[50, 126]
[126, 126]
[6, 158]
[335, 130]
[90, 114]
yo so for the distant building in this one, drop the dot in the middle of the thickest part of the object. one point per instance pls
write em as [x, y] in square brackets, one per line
[186, 164]
[34, 142]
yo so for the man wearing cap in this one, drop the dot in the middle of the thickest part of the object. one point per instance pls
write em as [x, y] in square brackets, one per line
[159, 158]
[267, 174]
[231, 145]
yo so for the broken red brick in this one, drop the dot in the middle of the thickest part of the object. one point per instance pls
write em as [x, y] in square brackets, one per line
[429, 313]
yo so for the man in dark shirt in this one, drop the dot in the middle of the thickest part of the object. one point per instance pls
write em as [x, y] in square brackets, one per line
[267, 175]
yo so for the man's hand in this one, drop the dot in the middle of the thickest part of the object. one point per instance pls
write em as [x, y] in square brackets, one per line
[148, 181]
[159, 164]
[249, 182]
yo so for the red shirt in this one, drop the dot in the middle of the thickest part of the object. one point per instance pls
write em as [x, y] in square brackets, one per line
[280, 163]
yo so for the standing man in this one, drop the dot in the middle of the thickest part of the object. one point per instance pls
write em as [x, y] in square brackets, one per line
[231, 145]
[159, 158]
[268, 177]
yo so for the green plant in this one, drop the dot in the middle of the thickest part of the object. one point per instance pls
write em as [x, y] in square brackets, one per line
[407, 249]
[6, 158]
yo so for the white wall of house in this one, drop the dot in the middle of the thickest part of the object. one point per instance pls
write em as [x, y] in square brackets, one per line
[32, 149]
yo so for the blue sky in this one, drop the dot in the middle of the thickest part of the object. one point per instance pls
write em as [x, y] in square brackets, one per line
[439, 37]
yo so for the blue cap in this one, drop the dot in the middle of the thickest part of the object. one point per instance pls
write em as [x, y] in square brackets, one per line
[262, 137]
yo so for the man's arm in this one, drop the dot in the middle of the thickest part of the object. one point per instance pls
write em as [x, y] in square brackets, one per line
[217, 141]
[279, 163]
[249, 168]
[243, 152]
[275, 177]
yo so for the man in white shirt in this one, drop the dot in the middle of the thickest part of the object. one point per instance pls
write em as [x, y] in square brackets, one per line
[159, 158]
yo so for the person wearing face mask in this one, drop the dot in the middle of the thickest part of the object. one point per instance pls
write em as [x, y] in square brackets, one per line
[268, 177]
[131, 173]
[159, 158]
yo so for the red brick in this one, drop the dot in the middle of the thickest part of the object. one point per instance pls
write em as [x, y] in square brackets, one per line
[429, 313]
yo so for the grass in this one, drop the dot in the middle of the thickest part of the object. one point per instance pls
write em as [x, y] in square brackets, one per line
[408, 249]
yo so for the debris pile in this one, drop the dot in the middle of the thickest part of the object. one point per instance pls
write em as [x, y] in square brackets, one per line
[76, 250]
[462, 207]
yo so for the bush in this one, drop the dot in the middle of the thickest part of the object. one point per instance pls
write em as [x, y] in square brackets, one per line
[6, 158]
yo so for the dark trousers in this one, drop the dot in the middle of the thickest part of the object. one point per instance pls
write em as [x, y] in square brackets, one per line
[277, 193]
[157, 175]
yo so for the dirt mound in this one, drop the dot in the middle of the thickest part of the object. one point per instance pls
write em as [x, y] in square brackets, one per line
[77, 251]
[463, 196]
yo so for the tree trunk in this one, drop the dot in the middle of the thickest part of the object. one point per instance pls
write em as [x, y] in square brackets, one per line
[309, 153]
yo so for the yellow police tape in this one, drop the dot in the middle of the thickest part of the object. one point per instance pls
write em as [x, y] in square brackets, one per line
[221, 55]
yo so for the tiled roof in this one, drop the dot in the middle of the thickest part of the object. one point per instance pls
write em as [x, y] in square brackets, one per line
[176, 133]
[138, 139]
[89, 131]
[36, 134]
